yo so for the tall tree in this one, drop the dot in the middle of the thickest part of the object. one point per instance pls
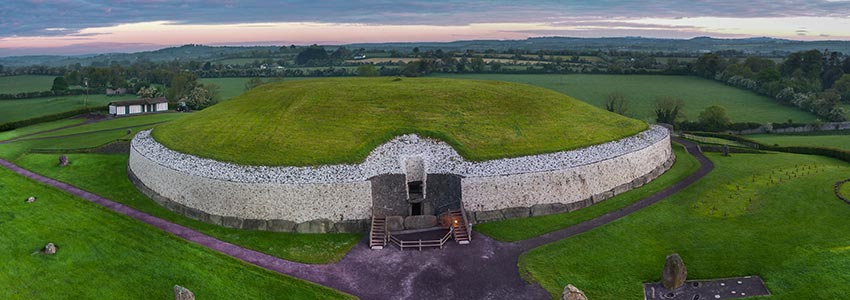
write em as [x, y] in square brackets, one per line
[59, 84]
[314, 53]
[667, 109]
[714, 118]
[616, 102]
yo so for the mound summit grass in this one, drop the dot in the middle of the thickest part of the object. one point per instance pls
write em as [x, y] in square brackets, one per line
[340, 120]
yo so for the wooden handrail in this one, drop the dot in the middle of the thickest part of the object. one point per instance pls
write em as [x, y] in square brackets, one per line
[420, 243]
[466, 223]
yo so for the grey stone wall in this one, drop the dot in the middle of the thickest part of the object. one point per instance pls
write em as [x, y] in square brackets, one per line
[338, 198]
[516, 196]
[305, 205]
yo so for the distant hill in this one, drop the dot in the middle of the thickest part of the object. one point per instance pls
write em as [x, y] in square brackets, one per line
[758, 46]
[761, 45]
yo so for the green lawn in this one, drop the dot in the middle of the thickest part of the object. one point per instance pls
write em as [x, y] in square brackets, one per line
[520, 229]
[106, 175]
[838, 139]
[234, 86]
[11, 134]
[16, 110]
[739, 220]
[119, 122]
[25, 83]
[641, 90]
[340, 120]
[104, 255]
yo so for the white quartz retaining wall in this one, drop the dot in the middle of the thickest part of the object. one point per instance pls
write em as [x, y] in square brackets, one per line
[343, 192]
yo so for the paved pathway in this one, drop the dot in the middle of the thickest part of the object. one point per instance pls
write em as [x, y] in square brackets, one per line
[485, 269]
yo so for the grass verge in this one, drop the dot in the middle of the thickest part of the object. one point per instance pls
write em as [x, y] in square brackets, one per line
[744, 218]
[104, 255]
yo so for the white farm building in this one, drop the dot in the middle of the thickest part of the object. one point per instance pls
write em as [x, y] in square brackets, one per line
[139, 106]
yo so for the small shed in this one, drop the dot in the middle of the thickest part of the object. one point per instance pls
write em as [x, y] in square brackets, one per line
[138, 106]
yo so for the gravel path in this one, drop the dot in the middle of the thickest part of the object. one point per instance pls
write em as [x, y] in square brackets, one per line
[484, 269]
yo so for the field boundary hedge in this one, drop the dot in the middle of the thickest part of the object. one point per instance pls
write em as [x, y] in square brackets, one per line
[823, 151]
[47, 118]
[43, 94]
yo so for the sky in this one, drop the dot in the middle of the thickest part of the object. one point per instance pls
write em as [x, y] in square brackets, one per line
[35, 27]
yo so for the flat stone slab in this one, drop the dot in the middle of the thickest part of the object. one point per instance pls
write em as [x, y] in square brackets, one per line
[728, 288]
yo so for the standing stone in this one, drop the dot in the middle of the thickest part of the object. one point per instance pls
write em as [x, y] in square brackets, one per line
[49, 249]
[63, 160]
[675, 273]
[725, 150]
[572, 293]
[181, 293]
[31, 199]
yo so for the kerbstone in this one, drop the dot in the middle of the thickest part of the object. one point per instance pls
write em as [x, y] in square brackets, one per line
[515, 212]
[314, 226]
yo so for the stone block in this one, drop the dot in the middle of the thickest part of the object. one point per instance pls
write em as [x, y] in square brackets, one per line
[638, 182]
[231, 222]
[487, 216]
[254, 224]
[420, 222]
[548, 209]
[516, 212]
[350, 226]
[281, 225]
[395, 223]
[214, 219]
[602, 196]
[314, 226]
[622, 188]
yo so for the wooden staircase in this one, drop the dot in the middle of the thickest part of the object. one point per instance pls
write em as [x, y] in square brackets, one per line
[378, 233]
[462, 232]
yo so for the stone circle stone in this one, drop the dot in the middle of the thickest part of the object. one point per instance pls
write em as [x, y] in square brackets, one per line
[63, 160]
[675, 273]
[181, 293]
[49, 249]
[420, 222]
[573, 293]
[31, 199]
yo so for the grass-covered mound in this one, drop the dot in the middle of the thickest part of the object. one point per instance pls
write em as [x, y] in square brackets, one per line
[340, 120]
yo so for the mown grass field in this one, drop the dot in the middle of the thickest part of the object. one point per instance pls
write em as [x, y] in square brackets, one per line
[25, 83]
[16, 110]
[106, 175]
[641, 91]
[340, 120]
[104, 255]
[11, 134]
[230, 87]
[519, 229]
[739, 220]
[831, 139]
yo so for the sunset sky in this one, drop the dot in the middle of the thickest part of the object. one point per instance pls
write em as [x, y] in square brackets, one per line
[79, 27]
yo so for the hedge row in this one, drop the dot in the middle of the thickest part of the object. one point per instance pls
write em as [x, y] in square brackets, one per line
[42, 94]
[697, 126]
[48, 118]
[823, 151]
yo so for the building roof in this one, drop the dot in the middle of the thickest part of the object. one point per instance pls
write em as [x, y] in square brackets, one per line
[139, 101]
